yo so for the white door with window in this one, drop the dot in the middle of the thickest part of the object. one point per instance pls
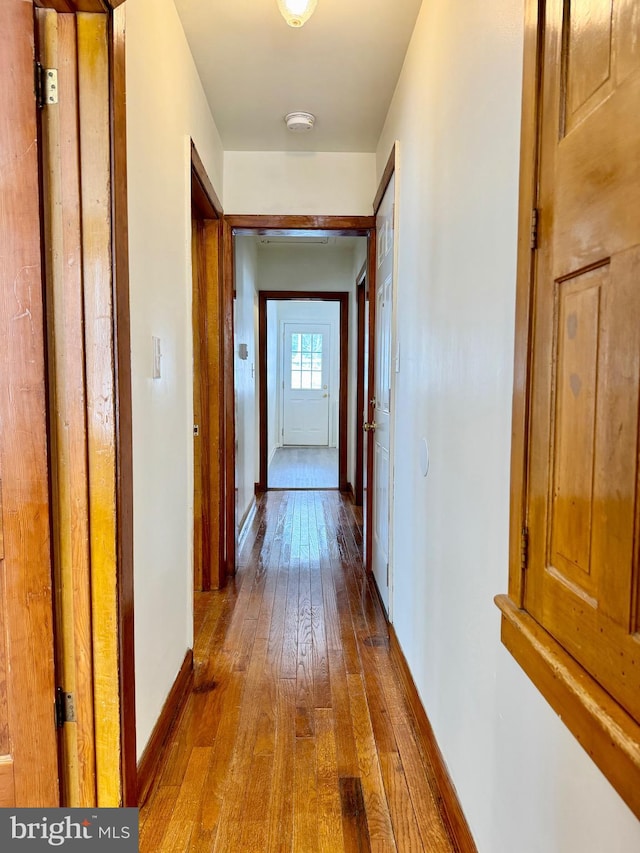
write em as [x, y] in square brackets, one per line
[306, 396]
[381, 486]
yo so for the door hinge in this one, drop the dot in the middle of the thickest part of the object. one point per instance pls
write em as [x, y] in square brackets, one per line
[524, 549]
[534, 228]
[65, 708]
[46, 85]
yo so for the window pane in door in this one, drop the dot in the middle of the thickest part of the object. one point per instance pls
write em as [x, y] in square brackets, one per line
[306, 362]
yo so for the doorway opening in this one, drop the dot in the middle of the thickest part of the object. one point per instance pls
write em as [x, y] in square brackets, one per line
[307, 345]
[208, 386]
[304, 265]
[303, 345]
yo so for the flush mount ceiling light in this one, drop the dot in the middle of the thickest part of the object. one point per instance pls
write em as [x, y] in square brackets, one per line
[297, 12]
[299, 122]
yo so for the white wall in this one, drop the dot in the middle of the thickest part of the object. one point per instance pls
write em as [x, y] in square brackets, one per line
[524, 782]
[299, 182]
[246, 306]
[166, 107]
[319, 267]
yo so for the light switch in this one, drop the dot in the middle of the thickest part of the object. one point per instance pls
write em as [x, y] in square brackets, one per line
[157, 358]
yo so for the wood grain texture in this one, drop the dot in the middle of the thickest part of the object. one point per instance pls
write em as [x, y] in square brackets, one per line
[124, 415]
[282, 226]
[95, 161]
[577, 373]
[528, 200]
[25, 571]
[151, 758]
[229, 442]
[67, 411]
[295, 750]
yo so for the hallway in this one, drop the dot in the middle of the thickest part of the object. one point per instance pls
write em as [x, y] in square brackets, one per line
[304, 468]
[297, 736]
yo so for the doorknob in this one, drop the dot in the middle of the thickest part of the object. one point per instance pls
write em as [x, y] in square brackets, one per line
[325, 395]
[370, 427]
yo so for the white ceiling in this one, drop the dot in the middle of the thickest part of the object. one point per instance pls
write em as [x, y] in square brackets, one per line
[342, 66]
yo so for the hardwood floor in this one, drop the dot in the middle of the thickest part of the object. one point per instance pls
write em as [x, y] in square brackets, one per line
[297, 736]
[304, 468]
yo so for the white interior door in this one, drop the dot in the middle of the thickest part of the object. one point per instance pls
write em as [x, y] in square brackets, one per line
[306, 363]
[382, 408]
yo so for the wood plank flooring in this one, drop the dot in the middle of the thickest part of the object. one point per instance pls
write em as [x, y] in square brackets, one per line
[304, 468]
[297, 736]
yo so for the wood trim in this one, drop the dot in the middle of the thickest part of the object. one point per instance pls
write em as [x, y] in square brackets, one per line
[524, 296]
[263, 448]
[66, 407]
[203, 194]
[285, 225]
[361, 300]
[96, 189]
[229, 442]
[25, 571]
[451, 810]
[73, 6]
[124, 416]
[601, 726]
[317, 296]
[153, 753]
[209, 390]
[389, 169]
[343, 405]
[609, 735]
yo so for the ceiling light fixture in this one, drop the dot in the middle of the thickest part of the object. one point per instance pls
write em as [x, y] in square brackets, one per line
[300, 122]
[297, 12]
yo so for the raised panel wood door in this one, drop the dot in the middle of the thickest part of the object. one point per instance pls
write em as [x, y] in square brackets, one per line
[28, 747]
[582, 580]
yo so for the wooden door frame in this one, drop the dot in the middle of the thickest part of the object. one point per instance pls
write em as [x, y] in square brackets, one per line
[362, 297]
[208, 308]
[342, 297]
[276, 225]
[114, 653]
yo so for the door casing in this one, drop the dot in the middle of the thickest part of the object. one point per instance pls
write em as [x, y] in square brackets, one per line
[265, 296]
[208, 381]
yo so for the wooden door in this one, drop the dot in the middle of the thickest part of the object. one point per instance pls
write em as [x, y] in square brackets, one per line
[306, 391]
[381, 484]
[208, 391]
[28, 749]
[582, 583]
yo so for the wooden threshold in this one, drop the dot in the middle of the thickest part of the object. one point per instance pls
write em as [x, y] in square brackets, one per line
[155, 749]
